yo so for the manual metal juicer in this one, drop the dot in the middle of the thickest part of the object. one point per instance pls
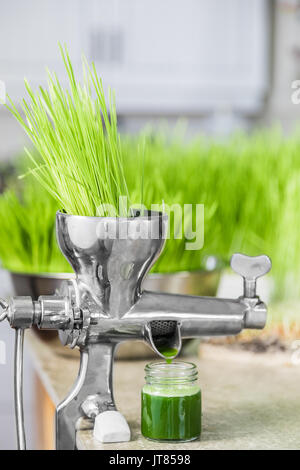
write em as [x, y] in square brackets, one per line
[106, 305]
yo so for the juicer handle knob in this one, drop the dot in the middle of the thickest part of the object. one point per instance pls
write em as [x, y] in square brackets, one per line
[250, 268]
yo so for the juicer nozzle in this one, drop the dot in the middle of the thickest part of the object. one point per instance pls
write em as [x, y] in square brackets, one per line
[164, 337]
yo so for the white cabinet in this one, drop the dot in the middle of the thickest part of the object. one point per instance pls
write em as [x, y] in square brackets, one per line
[161, 56]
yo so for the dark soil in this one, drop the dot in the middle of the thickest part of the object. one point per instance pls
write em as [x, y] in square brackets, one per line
[261, 344]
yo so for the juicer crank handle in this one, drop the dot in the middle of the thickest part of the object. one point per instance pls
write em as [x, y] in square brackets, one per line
[250, 268]
[18, 378]
[18, 388]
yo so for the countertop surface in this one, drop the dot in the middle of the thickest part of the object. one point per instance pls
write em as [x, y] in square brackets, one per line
[250, 400]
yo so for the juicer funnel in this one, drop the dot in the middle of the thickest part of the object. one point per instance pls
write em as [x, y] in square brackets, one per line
[111, 256]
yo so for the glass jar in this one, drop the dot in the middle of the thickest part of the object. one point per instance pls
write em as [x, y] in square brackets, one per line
[171, 402]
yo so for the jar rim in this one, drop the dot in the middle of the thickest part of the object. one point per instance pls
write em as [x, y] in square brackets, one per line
[173, 370]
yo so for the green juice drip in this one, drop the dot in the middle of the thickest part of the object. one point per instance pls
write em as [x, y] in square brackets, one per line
[168, 353]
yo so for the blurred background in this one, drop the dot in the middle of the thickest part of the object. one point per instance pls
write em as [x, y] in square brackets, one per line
[207, 84]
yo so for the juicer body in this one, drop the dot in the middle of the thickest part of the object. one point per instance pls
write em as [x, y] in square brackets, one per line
[106, 304]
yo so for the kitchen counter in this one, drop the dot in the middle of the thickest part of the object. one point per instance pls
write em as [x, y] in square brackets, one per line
[250, 400]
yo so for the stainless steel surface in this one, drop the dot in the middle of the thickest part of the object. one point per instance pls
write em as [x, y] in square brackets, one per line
[4, 306]
[21, 312]
[55, 313]
[106, 305]
[48, 312]
[95, 377]
[18, 388]
[198, 316]
[255, 314]
[162, 335]
[181, 282]
[109, 268]
[109, 271]
[250, 268]
[91, 406]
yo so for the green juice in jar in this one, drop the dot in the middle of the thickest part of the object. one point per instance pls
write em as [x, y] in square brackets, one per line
[171, 402]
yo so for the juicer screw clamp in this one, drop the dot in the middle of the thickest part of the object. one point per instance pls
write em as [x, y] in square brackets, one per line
[250, 268]
[76, 337]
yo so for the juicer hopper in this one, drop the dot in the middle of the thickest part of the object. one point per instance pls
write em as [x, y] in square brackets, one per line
[106, 304]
